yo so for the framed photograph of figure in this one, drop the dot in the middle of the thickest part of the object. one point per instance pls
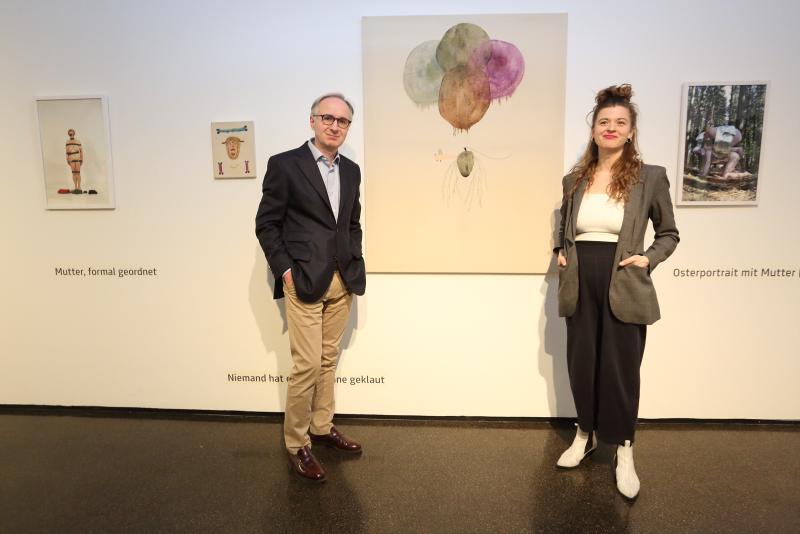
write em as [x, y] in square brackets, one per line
[233, 149]
[722, 127]
[76, 152]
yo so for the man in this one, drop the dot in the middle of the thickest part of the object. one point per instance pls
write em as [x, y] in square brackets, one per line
[308, 225]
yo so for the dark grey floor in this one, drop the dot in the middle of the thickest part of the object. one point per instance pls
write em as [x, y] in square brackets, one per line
[65, 473]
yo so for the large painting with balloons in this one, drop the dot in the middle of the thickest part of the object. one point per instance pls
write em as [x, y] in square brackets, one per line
[463, 137]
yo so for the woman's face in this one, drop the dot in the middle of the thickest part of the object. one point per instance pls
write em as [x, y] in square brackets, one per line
[612, 128]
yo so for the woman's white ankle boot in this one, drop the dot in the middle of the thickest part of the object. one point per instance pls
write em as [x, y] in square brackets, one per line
[627, 481]
[583, 444]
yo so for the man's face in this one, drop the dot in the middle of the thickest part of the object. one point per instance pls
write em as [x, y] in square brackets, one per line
[232, 146]
[330, 137]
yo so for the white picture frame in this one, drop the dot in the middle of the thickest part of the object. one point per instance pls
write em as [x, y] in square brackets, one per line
[721, 143]
[78, 170]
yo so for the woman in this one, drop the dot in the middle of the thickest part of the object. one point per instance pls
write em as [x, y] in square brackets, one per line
[604, 290]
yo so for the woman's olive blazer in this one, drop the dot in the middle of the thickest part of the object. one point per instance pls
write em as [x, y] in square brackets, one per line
[631, 293]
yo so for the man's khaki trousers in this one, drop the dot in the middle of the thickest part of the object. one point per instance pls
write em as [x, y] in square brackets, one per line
[315, 332]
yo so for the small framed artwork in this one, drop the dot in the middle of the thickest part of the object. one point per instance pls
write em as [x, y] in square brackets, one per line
[76, 152]
[722, 126]
[233, 149]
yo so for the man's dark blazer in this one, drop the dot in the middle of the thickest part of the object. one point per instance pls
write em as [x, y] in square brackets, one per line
[632, 296]
[297, 230]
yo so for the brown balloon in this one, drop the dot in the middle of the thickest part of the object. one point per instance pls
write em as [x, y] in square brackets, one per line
[464, 96]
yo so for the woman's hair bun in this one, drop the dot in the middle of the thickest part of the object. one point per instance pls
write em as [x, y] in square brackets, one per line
[614, 93]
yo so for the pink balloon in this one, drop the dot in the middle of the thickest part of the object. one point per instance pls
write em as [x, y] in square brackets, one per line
[505, 67]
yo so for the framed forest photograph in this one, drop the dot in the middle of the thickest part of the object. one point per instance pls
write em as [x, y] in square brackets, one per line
[721, 143]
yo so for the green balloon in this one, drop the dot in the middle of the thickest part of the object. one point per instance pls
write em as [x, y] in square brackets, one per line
[458, 44]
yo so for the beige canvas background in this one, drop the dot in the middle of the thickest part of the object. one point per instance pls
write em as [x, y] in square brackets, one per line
[410, 225]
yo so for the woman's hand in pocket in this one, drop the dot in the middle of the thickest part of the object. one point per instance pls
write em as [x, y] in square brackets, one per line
[637, 260]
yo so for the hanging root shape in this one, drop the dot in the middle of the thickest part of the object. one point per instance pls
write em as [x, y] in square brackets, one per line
[465, 179]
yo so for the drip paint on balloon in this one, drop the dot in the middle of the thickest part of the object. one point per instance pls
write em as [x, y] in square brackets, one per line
[463, 72]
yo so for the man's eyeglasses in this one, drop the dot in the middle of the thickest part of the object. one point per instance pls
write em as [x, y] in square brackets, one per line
[327, 120]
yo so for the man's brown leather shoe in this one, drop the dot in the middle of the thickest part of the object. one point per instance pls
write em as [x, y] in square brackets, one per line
[337, 440]
[305, 465]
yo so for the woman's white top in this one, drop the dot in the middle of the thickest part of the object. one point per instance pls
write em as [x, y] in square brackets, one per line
[599, 218]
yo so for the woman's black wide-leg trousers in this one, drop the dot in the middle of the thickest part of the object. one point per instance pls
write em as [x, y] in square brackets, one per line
[603, 353]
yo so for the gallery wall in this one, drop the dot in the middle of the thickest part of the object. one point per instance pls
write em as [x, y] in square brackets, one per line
[191, 334]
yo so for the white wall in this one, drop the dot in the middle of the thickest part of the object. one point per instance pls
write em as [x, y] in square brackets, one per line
[445, 344]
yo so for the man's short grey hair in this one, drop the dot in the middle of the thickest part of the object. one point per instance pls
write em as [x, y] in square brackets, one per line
[340, 96]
